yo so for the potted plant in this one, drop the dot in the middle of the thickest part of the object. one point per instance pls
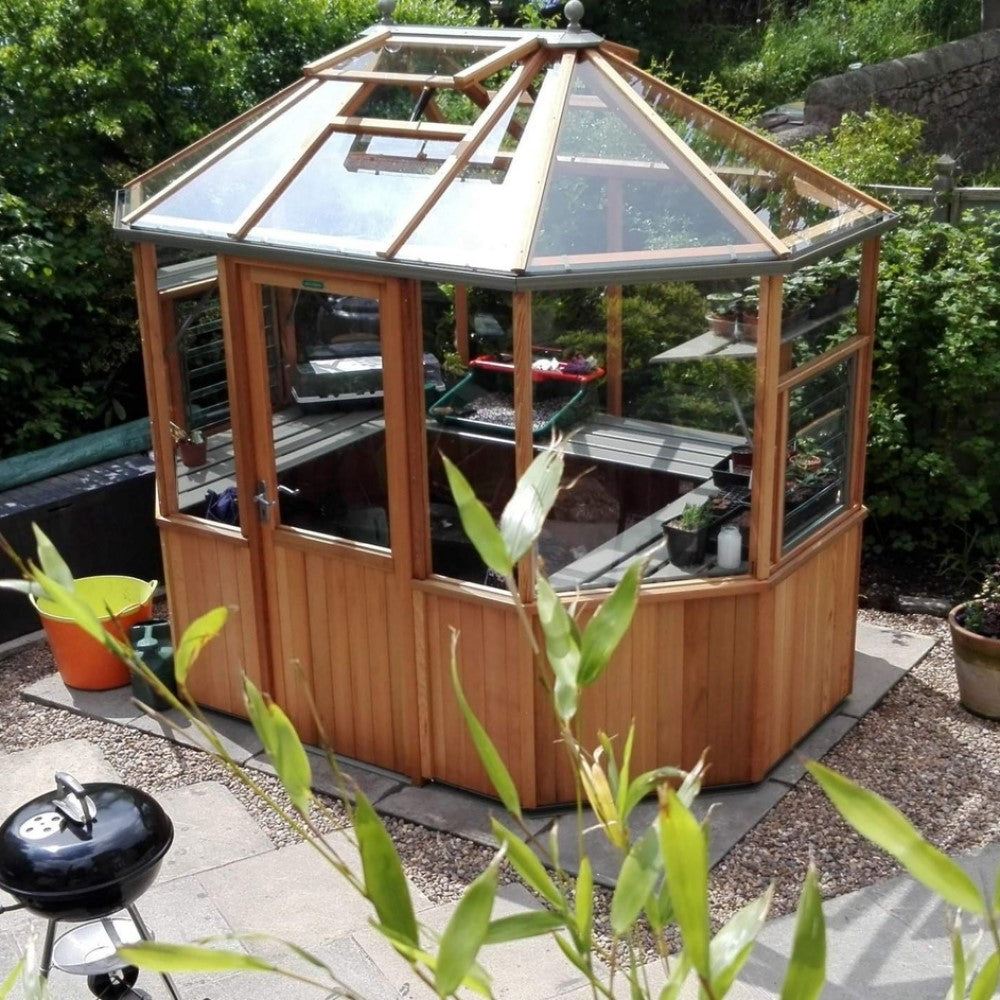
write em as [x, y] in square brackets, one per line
[975, 640]
[722, 312]
[191, 445]
[687, 535]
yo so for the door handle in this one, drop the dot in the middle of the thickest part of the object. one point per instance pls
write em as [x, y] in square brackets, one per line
[263, 504]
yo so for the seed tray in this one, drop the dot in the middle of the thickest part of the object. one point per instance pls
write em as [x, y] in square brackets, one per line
[504, 364]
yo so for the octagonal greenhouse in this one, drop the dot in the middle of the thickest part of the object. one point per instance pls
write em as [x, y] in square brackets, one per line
[456, 242]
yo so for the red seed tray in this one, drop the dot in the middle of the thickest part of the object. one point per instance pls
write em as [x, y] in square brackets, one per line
[489, 363]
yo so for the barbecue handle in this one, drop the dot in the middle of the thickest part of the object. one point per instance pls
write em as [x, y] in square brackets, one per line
[74, 805]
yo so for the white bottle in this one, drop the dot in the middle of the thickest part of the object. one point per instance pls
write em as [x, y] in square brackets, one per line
[729, 544]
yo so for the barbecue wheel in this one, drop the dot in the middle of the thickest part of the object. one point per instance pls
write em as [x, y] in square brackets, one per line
[113, 985]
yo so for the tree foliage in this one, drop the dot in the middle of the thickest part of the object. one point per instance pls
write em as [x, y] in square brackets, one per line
[93, 92]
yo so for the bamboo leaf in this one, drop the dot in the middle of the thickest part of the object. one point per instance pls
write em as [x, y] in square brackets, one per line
[260, 717]
[477, 522]
[610, 623]
[196, 636]
[520, 926]
[525, 513]
[637, 879]
[806, 973]
[959, 974]
[385, 883]
[527, 865]
[489, 756]
[52, 564]
[561, 649]
[290, 760]
[584, 904]
[685, 858]
[68, 605]
[888, 828]
[8, 983]
[731, 947]
[158, 956]
[26, 587]
[984, 986]
[466, 931]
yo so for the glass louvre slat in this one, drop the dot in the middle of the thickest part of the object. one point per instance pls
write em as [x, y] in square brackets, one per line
[614, 187]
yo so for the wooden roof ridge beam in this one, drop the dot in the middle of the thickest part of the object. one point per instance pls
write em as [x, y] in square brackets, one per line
[366, 43]
[807, 170]
[624, 52]
[455, 163]
[699, 170]
[201, 166]
[413, 81]
[278, 183]
[554, 107]
[495, 61]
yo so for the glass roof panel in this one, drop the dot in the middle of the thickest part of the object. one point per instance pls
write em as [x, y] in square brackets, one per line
[213, 198]
[787, 195]
[479, 221]
[618, 187]
[437, 59]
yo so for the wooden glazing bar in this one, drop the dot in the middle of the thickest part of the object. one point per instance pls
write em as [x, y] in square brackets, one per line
[789, 380]
[462, 322]
[867, 316]
[725, 130]
[524, 417]
[412, 81]
[402, 130]
[697, 169]
[489, 65]
[367, 43]
[588, 166]
[542, 156]
[624, 52]
[455, 163]
[278, 184]
[768, 463]
[478, 94]
[829, 226]
[202, 165]
[613, 355]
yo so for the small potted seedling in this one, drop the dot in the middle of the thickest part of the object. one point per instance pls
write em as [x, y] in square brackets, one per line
[687, 535]
[191, 446]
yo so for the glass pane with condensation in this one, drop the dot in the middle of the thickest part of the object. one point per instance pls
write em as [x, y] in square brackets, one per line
[211, 201]
[618, 186]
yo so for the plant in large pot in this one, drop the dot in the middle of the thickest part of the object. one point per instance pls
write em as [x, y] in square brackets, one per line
[687, 535]
[975, 640]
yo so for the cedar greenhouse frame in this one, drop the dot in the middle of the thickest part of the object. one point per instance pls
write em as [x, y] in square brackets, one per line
[505, 166]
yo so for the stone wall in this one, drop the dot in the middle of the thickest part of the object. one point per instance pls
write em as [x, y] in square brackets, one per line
[955, 88]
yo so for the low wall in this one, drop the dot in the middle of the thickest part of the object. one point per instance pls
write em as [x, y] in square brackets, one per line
[953, 87]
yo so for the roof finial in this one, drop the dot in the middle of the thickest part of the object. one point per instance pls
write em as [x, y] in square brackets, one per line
[574, 14]
[386, 7]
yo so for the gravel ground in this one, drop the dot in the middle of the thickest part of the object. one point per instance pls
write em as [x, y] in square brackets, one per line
[918, 748]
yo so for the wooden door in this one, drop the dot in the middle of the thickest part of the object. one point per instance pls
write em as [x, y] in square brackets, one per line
[333, 539]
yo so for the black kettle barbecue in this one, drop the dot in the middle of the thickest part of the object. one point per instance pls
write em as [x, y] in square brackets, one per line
[80, 854]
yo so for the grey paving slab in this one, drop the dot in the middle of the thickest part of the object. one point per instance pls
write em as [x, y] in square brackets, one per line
[818, 743]
[453, 811]
[374, 784]
[236, 735]
[28, 773]
[211, 828]
[737, 811]
[882, 657]
[115, 705]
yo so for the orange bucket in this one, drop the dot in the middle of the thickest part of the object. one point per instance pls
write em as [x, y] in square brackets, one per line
[81, 660]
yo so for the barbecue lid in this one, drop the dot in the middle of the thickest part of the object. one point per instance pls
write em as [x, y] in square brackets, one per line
[81, 837]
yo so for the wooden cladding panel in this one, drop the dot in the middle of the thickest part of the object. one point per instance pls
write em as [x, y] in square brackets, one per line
[498, 680]
[809, 668]
[340, 634]
[205, 569]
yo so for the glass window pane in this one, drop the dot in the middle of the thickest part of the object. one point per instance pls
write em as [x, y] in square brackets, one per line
[819, 451]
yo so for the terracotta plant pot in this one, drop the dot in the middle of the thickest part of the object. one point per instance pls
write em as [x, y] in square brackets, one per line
[193, 453]
[977, 664]
[721, 326]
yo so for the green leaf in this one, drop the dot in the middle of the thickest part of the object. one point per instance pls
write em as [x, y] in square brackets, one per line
[200, 632]
[731, 947]
[158, 956]
[53, 565]
[385, 882]
[68, 605]
[888, 828]
[8, 983]
[490, 758]
[685, 858]
[958, 975]
[260, 717]
[984, 986]
[519, 926]
[561, 649]
[527, 865]
[26, 587]
[605, 630]
[637, 879]
[477, 522]
[290, 760]
[525, 513]
[806, 973]
[584, 903]
[466, 931]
